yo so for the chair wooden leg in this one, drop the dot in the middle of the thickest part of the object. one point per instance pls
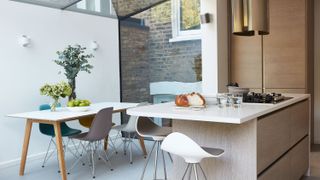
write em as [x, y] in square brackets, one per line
[143, 147]
[62, 165]
[25, 147]
[106, 142]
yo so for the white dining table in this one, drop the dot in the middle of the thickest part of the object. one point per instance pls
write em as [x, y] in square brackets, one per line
[56, 118]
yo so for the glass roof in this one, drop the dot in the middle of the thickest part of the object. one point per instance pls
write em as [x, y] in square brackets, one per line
[107, 8]
[127, 8]
[60, 4]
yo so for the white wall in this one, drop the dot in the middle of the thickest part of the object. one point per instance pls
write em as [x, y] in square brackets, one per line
[215, 47]
[24, 70]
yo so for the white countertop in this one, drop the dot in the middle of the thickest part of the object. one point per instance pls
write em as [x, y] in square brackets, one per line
[64, 114]
[213, 113]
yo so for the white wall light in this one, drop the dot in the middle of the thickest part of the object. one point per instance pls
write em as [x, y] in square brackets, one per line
[24, 41]
[94, 46]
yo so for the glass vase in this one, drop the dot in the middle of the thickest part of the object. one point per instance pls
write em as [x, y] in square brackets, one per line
[54, 105]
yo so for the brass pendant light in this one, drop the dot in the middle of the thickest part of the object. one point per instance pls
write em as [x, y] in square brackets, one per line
[249, 17]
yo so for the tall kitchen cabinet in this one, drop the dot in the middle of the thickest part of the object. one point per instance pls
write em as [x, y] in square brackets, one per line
[287, 52]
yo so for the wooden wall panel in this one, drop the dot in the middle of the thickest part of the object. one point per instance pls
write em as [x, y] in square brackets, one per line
[317, 72]
[246, 53]
[285, 47]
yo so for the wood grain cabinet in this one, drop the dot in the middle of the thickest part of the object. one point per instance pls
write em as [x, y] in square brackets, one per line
[282, 143]
[291, 166]
[284, 51]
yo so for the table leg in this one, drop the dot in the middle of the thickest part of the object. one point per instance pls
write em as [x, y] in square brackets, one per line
[143, 147]
[62, 165]
[25, 147]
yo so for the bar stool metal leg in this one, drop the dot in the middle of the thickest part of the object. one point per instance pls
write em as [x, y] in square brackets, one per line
[164, 166]
[190, 171]
[204, 174]
[156, 162]
[195, 171]
[185, 172]
[148, 159]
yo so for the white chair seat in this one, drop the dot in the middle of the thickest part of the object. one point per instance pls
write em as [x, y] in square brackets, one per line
[181, 145]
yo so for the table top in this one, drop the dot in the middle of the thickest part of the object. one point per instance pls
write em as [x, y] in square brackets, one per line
[212, 113]
[63, 114]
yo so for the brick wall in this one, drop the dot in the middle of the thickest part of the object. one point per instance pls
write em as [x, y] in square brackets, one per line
[169, 61]
[134, 62]
[148, 56]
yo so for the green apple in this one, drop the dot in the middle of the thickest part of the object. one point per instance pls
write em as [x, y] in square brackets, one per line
[76, 103]
[82, 104]
[70, 104]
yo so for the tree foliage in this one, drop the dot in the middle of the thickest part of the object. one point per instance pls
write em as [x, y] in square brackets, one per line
[73, 59]
[190, 14]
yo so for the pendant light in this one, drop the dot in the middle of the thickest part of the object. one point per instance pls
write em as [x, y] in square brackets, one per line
[249, 17]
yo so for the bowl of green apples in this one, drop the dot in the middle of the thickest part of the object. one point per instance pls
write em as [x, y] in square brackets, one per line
[78, 105]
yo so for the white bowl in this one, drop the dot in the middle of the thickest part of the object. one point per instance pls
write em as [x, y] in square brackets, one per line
[79, 109]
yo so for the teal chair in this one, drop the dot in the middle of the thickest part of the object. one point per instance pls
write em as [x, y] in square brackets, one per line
[48, 129]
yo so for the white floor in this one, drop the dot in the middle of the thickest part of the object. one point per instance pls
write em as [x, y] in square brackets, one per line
[123, 170]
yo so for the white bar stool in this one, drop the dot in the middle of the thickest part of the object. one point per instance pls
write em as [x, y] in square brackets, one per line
[146, 128]
[181, 145]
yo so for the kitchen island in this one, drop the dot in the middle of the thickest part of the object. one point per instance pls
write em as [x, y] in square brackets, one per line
[261, 141]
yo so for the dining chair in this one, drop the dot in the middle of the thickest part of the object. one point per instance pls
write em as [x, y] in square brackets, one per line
[181, 145]
[87, 121]
[129, 130]
[99, 130]
[48, 130]
[146, 128]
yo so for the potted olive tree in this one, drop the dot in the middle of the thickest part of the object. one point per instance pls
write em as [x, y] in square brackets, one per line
[74, 59]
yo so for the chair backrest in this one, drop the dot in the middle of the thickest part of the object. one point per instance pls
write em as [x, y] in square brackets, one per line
[101, 125]
[44, 107]
[86, 121]
[145, 126]
[48, 128]
[131, 125]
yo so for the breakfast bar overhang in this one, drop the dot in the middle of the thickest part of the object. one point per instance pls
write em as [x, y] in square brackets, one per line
[261, 141]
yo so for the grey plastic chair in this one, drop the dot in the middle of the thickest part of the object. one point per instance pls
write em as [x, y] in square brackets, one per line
[99, 130]
[146, 128]
[130, 133]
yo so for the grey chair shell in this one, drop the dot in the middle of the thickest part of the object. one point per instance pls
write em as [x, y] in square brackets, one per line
[99, 130]
[100, 127]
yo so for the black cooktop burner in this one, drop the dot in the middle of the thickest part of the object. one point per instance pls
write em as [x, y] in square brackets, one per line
[271, 98]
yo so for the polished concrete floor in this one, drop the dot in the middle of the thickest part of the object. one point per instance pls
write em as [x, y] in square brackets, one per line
[315, 163]
[123, 170]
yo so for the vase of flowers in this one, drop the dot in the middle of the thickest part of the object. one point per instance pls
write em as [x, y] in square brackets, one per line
[56, 91]
[73, 59]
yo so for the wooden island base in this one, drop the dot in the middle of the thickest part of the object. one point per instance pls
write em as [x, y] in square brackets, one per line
[275, 146]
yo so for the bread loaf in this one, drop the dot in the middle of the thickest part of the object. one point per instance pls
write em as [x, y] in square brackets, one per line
[192, 99]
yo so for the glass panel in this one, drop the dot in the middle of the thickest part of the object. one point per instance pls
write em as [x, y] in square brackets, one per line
[95, 7]
[50, 3]
[124, 8]
[154, 69]
[189, 15]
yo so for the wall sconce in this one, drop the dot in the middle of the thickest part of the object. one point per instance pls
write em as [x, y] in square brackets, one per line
[94, 46]
[24, 41]
[205, 18]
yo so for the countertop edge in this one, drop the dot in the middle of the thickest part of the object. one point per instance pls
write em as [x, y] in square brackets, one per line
[296, 98]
